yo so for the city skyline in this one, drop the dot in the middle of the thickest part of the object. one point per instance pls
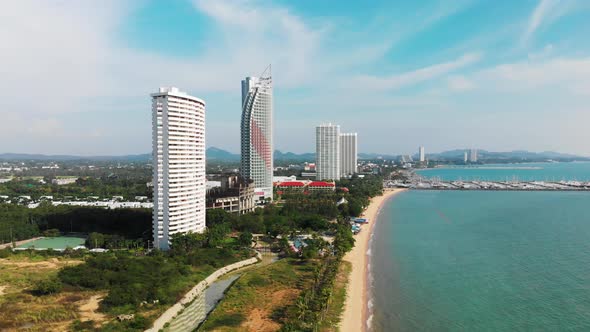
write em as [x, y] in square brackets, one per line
[521, 68]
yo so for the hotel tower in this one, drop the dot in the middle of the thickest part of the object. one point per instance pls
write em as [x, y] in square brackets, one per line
[178, 154]
[256, 133]
[327, 152]
[348, 154]
[421, 154]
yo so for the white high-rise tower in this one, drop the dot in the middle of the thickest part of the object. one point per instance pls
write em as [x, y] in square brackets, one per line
[422, 154]
[348, 153]
[328, 152]
[473, 156]
[256, 132]
[178, 143]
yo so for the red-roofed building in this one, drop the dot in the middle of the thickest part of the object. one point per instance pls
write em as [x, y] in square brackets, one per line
[291, 186]
[321, 186]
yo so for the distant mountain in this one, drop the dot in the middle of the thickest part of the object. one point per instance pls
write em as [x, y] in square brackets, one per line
[214, 153]
[509, 155]
[376, 156]
[217, 154]
[278, 155]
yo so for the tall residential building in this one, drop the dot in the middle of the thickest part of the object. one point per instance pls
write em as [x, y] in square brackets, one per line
[348, 154]
[178, 154]
[473, 156]
[327, 152]
[465, 157]
[422, 155]
[256, 128]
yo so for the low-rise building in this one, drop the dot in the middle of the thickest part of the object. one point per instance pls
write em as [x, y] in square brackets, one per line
[279, 179]
[291, 186]
[304, 186]
[64, 181]
[321, 186]
[234, 195]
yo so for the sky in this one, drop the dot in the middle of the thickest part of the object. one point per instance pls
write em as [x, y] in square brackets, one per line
[76, 75]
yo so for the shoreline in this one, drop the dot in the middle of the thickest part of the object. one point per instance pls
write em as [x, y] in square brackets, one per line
[356, 311]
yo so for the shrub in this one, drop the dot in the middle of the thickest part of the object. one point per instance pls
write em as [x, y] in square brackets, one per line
[6, 252]
[232, 319]
[48, 286]
[53, 232]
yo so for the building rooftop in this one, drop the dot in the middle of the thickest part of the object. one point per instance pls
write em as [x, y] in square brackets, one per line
[321, 184]
[291, 184]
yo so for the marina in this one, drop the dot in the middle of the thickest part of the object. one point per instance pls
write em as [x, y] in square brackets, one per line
[513, 185]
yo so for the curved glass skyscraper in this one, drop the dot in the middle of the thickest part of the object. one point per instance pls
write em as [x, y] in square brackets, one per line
[256, 128]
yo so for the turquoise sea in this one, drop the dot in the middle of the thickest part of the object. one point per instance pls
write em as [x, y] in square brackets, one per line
[579, 171]
[482, 261]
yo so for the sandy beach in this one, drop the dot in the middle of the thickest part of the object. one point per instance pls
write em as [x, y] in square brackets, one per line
[355, 309]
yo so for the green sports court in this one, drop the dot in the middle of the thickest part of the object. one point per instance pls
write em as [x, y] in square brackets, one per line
[57, 243]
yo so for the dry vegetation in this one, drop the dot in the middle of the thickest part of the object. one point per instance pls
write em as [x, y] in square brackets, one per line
[21, 309]
[261, 298]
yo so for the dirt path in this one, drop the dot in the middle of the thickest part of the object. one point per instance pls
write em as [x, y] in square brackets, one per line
[52, 263]
[89, 310]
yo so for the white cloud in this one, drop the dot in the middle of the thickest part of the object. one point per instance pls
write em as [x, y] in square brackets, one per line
[540, 12]
[410, 78]
[544, 53]
[459, 83]
[62, 57]
[563, 74]
[547, 12]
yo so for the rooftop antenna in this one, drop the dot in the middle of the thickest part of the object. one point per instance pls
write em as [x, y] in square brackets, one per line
[267, 74]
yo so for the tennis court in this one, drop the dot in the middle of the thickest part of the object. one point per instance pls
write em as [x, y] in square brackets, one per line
[57, 243]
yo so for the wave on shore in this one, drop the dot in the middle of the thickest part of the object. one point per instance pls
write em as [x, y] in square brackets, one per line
[370, 276]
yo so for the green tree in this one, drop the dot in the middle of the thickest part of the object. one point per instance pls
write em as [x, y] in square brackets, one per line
[216, 234]
[218, 216]
[95, 240]
[182, 243]
[245, 239]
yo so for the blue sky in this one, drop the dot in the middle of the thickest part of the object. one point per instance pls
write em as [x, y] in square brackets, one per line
[497, 75]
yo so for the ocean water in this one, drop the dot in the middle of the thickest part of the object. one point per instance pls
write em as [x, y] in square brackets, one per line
[579, 171]
[482, 261]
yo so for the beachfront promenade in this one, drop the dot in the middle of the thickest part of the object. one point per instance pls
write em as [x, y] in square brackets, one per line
[435, 184]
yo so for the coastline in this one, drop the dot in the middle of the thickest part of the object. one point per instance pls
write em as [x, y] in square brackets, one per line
[356, 309]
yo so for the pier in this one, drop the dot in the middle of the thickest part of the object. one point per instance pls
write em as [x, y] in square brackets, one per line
[436, 184]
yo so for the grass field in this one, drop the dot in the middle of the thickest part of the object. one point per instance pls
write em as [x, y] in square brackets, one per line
[69, 310]
[260, 299]
[58, 243]
[20, 309]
